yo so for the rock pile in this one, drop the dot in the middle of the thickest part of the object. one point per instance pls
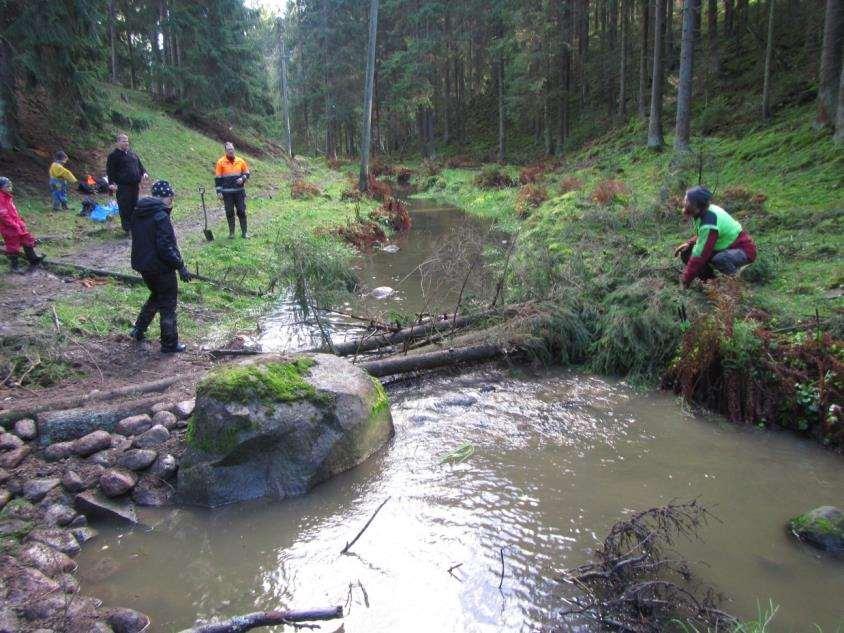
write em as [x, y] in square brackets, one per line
[50, 489]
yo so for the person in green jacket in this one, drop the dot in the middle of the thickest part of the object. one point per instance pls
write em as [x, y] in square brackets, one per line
[719, 242]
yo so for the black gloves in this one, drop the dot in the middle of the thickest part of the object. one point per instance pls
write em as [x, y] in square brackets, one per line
[184, 274]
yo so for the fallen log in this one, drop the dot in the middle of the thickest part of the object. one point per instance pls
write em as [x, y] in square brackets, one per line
[249, 621]
[7, 417]
[432, 360]
[385, 339]
[135, 280]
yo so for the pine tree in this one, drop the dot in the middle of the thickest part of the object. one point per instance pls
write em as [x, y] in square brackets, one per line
[684, 85]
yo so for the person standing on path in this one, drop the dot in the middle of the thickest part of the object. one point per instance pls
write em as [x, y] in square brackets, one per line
[719, 242]
[125, 172]
[230, 176]
[156, 256]
[14, 231]
[60, 180]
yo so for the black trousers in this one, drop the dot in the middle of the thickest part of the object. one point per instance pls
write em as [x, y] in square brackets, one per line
[127, 199]
[163, 294]
[232, 201]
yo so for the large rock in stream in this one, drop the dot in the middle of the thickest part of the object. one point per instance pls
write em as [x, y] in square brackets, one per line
[276, 427]
[822, 527]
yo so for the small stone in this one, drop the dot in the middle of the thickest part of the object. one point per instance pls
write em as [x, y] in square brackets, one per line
[105, 458]
[83, 534]
[137, 458]
[134, 425]
[26, 583]
[120, 442]
[21, 509]
[94, 504]
[382, 292]
[36, 489]
[73, 481]
[156, 435]
[5, 495]
[11, 459]
[92, 443]
[57, 451]
[14, 527]
[161, 406]
[166, 419]
[124, 620]
[4, 476]
[41, 608]
[68, 583]
[59, 514]
[46, 559]
[9, 622]
[114, 482]
[184, 408]
[26, 429]
[152, 492]
[81, 613]
[57, 495]
[101, 627]
[56, 538]
[822, 527]
[164, 467]
[78, 521]
[9, 441]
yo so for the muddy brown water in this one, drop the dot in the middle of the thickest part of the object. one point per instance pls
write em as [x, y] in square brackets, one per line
[558, 457]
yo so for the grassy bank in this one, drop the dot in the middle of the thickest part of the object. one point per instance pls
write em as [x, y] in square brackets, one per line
[595, 235]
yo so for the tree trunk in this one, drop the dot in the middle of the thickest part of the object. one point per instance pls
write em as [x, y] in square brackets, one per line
[669, 36]
[248, 621]
[285, 95]
[655, 137]
[8, 109]
[729, 13]
[684, 86]
[366, 138]
[622, 70]
[500, 82]
[839, 119]
[641, 105]
[112, 18]
[766, 90]
[828, 78]
[714, 53]
[432, 360]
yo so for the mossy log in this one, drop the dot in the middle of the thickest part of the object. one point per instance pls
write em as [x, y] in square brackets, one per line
[432, 360]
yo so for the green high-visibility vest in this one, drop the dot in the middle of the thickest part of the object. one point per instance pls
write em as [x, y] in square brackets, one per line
[715, 219]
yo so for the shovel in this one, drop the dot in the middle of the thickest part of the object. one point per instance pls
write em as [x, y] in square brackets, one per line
[208, 234]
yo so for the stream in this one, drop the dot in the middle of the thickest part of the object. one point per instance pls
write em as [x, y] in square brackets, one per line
[558, 457]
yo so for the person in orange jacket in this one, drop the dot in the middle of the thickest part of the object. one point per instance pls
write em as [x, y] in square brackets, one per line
[14, 231]
[230, 175]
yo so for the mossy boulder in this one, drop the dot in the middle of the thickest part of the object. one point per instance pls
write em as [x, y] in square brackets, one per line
[277, 426]
[822, 527]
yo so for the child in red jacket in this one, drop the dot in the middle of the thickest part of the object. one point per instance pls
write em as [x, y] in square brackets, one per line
[14, 231]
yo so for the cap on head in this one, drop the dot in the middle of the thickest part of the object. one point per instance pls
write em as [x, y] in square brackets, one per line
[59, 156]
[699, 196]
[4, 182]
[162, 189]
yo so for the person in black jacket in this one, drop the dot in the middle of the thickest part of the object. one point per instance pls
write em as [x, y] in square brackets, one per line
[156, 256]
[125, 171]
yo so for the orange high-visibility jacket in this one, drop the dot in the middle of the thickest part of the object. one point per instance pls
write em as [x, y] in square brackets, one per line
[227, 171]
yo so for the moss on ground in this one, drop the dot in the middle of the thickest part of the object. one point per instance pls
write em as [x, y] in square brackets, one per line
[381, 402]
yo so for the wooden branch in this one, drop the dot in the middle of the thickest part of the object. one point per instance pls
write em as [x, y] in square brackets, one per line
[432, 360]
[249, 621]
[354, 540]
[501, 579]
[96, 395]
[135, 280]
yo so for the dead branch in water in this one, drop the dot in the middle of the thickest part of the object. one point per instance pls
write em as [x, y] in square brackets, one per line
[634, 586]
[432, 360]
[354, 540]
[249, 621]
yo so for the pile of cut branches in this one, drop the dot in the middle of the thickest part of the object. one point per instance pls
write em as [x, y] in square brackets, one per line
[639, 583]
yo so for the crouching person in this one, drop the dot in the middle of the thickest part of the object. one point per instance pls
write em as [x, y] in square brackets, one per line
[156, 256]
[14, 231]
[719, 242]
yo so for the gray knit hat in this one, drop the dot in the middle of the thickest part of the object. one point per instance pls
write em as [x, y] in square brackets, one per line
[699, 196]
[4, 182]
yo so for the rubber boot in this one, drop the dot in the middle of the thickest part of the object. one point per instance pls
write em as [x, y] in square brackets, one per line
[170, 335]
[31, 256]
[14, 263]
[243, 232]
[231, 227]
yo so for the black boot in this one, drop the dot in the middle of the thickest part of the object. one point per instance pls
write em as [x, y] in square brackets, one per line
[170, 335]
[14, 263]
[31, 256]
[231, 227]
[136, 333]
[243, 232]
